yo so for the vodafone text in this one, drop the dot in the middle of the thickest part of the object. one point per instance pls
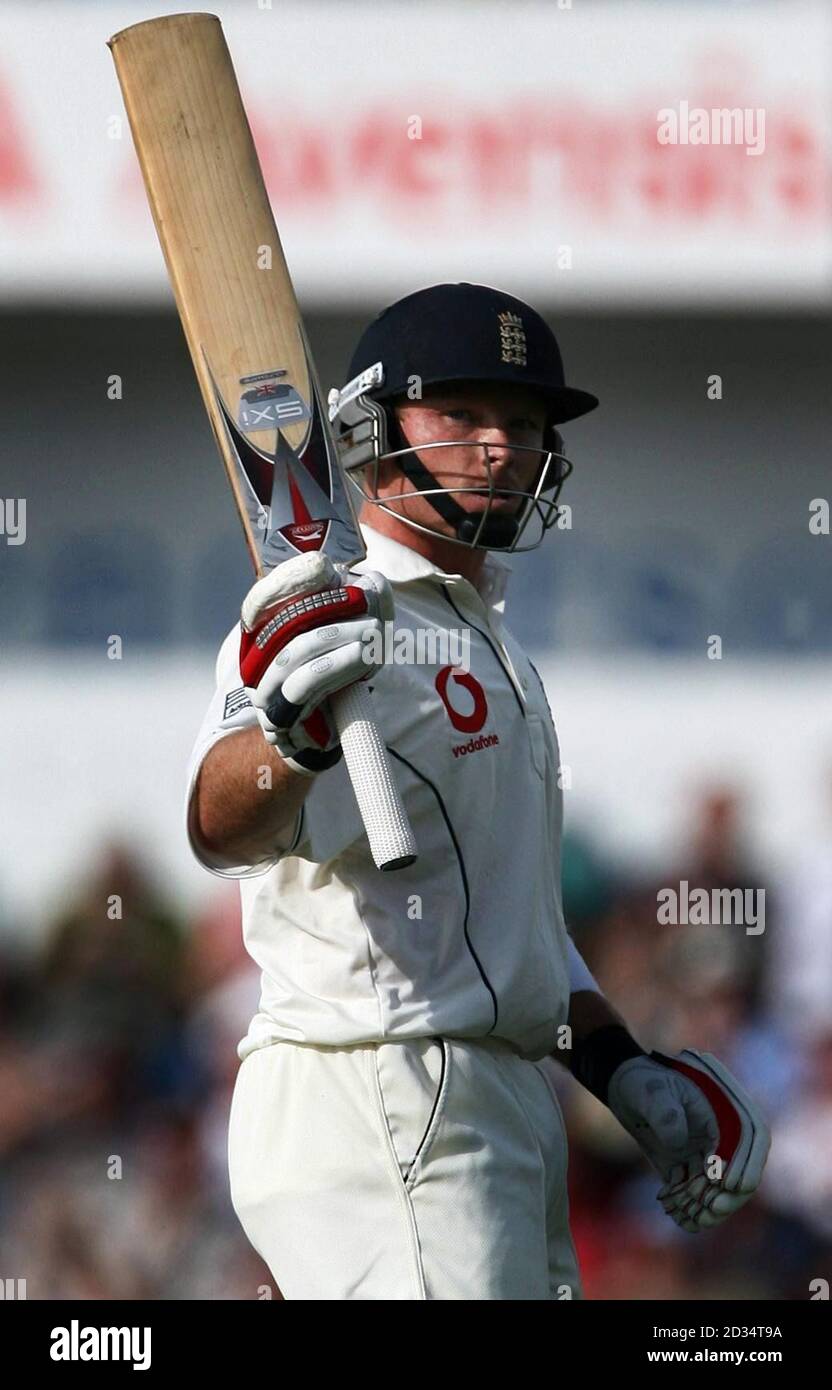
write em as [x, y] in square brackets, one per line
[475, 744]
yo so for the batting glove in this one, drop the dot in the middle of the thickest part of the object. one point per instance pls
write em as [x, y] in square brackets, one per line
[306, 633]
[699, 1128]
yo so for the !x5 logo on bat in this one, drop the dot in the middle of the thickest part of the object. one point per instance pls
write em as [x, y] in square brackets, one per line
[270, 405]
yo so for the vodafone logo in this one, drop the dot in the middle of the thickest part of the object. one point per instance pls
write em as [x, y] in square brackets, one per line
[466, 720]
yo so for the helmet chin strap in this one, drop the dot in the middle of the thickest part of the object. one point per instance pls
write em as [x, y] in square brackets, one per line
[496, 530]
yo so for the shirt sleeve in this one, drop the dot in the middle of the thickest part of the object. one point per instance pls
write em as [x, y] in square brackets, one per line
[230, 710]
[579, 974]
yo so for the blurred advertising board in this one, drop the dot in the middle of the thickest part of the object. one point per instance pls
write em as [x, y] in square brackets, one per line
[626, 153]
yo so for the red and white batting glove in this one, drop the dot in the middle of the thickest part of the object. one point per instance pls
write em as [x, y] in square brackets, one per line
[307, 633]
[699, 1128]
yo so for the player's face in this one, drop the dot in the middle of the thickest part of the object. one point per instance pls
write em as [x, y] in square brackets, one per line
[502, 421]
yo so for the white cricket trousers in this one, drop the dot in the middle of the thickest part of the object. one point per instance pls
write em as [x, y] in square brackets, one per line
[429, 1168]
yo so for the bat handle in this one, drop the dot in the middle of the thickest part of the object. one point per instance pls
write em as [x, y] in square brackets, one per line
[385, 819]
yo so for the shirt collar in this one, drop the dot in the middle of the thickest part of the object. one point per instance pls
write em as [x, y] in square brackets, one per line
[401, 565]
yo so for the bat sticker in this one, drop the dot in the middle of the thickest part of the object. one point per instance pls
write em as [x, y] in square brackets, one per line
[271, 405]
[294, 497]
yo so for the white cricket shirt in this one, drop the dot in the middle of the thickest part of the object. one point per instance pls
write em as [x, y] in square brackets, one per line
[468, 942]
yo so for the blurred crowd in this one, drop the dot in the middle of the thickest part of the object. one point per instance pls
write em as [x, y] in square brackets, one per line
[760, 1002]
[118, 1059]
[117, 1064]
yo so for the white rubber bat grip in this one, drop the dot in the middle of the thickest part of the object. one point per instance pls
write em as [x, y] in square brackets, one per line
[385, 819]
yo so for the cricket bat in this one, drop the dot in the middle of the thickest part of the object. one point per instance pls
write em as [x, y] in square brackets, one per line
[247, 343]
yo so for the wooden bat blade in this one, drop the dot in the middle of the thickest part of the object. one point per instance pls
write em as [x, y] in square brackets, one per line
[232, 288]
